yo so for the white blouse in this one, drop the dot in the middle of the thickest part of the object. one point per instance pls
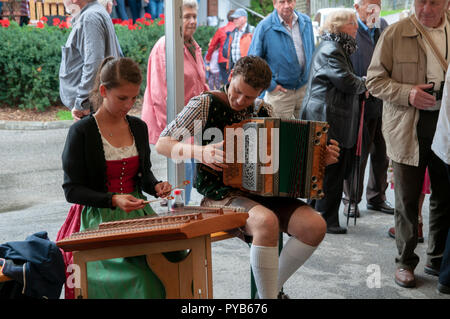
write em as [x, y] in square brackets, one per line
[113, 153]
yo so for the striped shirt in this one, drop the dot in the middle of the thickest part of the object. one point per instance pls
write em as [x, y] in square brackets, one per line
[25, 8]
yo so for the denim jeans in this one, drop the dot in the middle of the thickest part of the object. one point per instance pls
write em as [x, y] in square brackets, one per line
[121, 10]
[224, 74]
[135, 7]
[155, 8]
[190, 172]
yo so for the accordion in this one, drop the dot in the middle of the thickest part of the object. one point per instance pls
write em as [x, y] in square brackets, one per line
[276, 157]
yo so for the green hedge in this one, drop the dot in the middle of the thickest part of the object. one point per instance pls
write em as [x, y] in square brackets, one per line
[30, 59]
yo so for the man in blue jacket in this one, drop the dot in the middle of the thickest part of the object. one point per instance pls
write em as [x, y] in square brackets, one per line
[285, 39]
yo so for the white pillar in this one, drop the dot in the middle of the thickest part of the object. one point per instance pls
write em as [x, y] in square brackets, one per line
[174, 75]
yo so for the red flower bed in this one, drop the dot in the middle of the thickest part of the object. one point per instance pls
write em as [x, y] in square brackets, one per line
[146, 20]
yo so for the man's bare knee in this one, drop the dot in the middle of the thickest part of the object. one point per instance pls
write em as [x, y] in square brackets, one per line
[308, 226]
[262, 224]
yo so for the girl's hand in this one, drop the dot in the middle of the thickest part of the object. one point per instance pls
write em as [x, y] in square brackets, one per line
[163, 189]
[127, 202]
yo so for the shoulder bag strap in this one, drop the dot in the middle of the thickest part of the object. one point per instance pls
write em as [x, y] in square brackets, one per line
[430, 42]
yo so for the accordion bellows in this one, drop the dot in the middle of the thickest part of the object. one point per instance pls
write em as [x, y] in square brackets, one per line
[276, 157]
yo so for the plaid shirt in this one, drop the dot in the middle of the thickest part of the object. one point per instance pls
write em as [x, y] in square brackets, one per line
[235, 45]
[194, 118]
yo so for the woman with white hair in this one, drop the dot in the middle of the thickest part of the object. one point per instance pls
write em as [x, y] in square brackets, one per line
[333, 96]
[108, 4]
[154, 108]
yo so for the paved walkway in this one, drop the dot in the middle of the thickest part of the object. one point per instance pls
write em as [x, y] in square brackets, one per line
[358, 265]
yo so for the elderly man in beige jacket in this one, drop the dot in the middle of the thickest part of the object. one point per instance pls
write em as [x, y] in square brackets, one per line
[402, 69]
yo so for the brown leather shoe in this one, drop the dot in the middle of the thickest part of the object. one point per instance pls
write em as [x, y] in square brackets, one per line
[405, 278]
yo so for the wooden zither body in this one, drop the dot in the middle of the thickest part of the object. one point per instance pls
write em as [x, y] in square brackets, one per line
[189, 222]
[189, 229]
[276, 157]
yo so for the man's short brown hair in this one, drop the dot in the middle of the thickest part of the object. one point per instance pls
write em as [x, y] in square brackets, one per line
[254, 70]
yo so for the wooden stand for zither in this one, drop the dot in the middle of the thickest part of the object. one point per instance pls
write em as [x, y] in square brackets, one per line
[151, 236]
[4, 278]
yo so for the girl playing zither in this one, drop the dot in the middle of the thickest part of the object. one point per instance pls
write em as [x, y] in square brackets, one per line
[106, 162]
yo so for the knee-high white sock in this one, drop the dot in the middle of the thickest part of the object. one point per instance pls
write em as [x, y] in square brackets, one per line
[264, 263]
[292, 257]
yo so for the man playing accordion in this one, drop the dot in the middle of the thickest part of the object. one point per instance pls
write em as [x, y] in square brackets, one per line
[268, 216]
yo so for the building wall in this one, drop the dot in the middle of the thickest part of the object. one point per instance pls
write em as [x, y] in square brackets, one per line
[221, 7]
[227, 5]
[303, 6]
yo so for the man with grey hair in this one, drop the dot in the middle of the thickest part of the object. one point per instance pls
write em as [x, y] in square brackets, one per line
[407, 72]
[370, 26]
[92, 39]
[239, 39]
[285, 39]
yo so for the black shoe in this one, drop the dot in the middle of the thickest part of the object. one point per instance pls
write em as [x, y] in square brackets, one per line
[336, 230]
[384, 207]
[443, 289]
[430, 270]
[352, 210]
[282, 295]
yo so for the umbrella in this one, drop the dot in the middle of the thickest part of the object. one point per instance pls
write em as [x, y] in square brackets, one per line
[356, 164]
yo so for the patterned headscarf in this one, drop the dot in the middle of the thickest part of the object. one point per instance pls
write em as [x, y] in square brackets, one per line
[345, 40]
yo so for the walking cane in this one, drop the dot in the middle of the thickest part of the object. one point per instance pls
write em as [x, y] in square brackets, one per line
[356, 166]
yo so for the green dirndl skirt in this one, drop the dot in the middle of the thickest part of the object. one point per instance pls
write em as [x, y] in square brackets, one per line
[120, 278]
